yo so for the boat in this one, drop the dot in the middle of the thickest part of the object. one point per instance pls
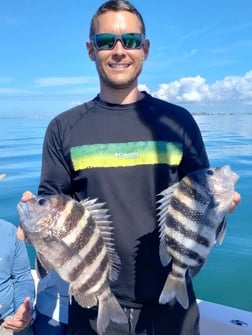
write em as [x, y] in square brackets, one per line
[216, 319]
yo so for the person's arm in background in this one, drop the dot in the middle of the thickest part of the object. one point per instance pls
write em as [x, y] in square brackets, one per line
[24, 289]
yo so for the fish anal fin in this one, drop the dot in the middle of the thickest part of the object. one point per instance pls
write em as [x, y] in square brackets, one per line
[165, 257]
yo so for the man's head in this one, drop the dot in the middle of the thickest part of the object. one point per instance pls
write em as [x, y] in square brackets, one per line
[118, 45]
[116, 6]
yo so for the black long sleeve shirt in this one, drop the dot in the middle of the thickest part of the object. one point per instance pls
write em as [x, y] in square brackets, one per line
[124, 155]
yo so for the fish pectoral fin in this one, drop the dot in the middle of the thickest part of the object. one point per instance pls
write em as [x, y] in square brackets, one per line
[109, 309]
[221, 231]
[83, 300]
[174, 288]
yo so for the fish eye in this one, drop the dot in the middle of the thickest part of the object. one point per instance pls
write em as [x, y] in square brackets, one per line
[41, 201]
[210, 172]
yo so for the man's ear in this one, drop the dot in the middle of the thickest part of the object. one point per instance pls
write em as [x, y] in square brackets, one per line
[90, 50]
[146, 48]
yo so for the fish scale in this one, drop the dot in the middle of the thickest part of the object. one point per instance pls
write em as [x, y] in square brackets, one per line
[191, 216]
[76, 240]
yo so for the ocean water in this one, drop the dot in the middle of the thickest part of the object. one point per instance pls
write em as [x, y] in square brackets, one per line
[227, 276]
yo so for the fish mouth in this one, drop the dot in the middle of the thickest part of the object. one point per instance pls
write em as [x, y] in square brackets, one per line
[21, 229]
[24, 220]
[21, 209]
[229, 173]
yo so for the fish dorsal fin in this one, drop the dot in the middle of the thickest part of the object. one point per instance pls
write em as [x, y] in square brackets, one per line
[162, 215]
[101, 218]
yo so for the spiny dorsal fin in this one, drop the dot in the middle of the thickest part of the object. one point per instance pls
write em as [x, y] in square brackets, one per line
[101, 218]
[162, 215]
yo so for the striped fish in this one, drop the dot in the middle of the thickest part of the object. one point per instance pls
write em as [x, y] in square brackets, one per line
[191, 221]
[75, 239]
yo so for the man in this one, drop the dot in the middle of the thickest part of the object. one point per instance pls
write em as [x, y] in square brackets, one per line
[124, 147]
[16, 283]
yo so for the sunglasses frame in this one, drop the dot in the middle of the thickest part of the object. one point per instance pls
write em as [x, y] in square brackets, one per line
[117, 38]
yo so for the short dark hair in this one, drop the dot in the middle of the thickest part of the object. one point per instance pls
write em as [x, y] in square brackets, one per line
[116, 5]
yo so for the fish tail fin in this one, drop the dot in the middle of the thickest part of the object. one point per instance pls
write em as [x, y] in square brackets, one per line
[174, 288]
[109, 309]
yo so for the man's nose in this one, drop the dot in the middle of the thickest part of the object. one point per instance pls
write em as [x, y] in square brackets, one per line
[118, 48]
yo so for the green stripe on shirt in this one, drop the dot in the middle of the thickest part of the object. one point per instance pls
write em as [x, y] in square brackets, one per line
[125, 154]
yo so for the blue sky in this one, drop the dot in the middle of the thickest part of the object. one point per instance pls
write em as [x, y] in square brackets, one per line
[200, 57]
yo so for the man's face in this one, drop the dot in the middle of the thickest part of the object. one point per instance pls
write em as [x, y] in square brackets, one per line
[118, 67]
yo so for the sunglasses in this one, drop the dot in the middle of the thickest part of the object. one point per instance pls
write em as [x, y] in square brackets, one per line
[108, 41]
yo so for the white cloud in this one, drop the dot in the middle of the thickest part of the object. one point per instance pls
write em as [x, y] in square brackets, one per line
[231, 90]
[143, 87]
[61, 81]
[196, 89]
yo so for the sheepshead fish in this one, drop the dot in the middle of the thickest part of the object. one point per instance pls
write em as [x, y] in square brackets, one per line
[191, 221]
[75, 239]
